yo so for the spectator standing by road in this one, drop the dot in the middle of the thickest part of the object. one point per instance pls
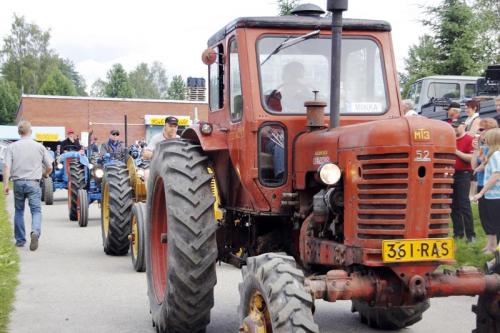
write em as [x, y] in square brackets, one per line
[26, 161]
[71, 143]
[169, 132]
[488, 196]
[114, 147]
[472, 121]
[453, 112]
[94, 146]
[461, 212]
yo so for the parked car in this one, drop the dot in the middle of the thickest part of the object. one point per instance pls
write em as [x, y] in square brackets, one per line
[440, 89]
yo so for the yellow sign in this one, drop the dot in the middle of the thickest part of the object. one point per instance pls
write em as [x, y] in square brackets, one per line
[47, 137]
[394, 251]
[421, 134]
[160, 120]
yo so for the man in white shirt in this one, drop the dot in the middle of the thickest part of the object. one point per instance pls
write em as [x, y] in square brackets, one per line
[169, 132]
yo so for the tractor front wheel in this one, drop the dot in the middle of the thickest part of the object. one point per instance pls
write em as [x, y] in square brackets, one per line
[76, 181]
[181, 248]
[83, 208]
[389, 318]
[48, 191]
[273, 298]
[116, 210]
[137, 230]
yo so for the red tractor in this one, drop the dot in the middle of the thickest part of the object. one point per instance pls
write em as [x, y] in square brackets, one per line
[345, 201]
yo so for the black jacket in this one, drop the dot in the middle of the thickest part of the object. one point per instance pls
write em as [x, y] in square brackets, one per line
[68, 145]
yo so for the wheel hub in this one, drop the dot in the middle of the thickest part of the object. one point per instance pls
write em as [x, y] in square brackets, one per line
[258, 320]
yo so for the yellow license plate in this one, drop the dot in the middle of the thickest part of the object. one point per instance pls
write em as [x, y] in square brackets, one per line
[404, 250]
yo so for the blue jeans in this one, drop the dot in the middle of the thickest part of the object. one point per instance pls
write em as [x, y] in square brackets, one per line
[31, 190]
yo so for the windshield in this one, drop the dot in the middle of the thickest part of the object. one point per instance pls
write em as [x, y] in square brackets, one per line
[295, 74]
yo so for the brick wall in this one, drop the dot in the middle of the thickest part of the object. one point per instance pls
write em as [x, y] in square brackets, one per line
[102, 115]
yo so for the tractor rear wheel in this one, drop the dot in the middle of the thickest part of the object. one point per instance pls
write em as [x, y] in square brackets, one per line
[76, 181]
[48, 191]
[116, 210]
[83, 208]
[181, 248]
[389, 318]
[273, 297]
[487, 309]
[137, 230]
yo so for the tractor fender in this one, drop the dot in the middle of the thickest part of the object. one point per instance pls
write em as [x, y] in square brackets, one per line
[217, 140]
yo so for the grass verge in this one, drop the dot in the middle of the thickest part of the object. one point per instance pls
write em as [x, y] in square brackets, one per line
[9, 265]
[468, 254]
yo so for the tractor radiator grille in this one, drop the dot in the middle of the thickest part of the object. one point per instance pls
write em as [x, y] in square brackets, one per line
[383, 210]
[444, 165]
[382, 196]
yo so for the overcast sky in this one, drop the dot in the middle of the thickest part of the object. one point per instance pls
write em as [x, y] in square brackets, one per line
[96, 34]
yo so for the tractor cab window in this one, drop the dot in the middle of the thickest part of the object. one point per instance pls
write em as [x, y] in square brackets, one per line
[272, 155]
[291, 75]
[444, 90]
[216, 85]
[414, 93]
[236, 97]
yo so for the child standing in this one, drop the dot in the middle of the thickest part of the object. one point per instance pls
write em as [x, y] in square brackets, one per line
[491, 189]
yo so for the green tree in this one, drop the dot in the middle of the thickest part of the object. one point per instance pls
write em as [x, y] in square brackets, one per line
[98, 88]
[463, 41]
[285, 6]
[160, 79]
[141, 80]
[9, 101]
[118, 84]
[177, 88]
[57, 84]
[26, 57]
[67, 68]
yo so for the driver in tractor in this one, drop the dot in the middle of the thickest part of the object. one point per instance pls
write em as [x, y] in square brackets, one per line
[169, 132]
[114, 147]
[71, 143]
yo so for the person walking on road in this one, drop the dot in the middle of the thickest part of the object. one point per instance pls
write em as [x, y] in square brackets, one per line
[461, 212]
[26, 161]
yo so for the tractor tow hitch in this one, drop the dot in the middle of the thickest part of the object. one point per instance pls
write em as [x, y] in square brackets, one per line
[340, 285]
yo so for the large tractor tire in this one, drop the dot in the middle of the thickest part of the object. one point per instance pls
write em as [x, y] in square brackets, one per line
[487, 309]
[389, 318]
[181, 248]
[48, 191]
[76, 181]
[116, 210]
[137, 236]
[83, 208]
[273, 297]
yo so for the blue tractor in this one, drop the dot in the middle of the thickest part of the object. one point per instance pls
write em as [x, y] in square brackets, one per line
[90, 192]
[59, 178]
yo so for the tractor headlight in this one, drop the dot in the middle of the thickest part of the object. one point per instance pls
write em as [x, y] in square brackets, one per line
[329, 173]
[59, 166]
[98, 173]
[140, 172]
[91, 166]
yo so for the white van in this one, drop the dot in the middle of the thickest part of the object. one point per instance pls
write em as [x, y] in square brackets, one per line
[455, 88]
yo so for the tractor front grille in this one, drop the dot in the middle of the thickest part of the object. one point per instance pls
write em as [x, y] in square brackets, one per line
[385, 182]
[382, 196]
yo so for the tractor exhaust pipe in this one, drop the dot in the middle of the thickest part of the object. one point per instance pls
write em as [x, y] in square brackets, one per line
[336, 7]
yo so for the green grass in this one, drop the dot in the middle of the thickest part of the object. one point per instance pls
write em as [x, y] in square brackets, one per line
[471, 254]
[9, 265]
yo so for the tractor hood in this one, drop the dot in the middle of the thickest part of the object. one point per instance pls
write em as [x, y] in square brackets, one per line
[313, 149]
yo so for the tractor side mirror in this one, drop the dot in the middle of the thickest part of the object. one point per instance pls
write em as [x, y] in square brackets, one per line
[209, 56]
